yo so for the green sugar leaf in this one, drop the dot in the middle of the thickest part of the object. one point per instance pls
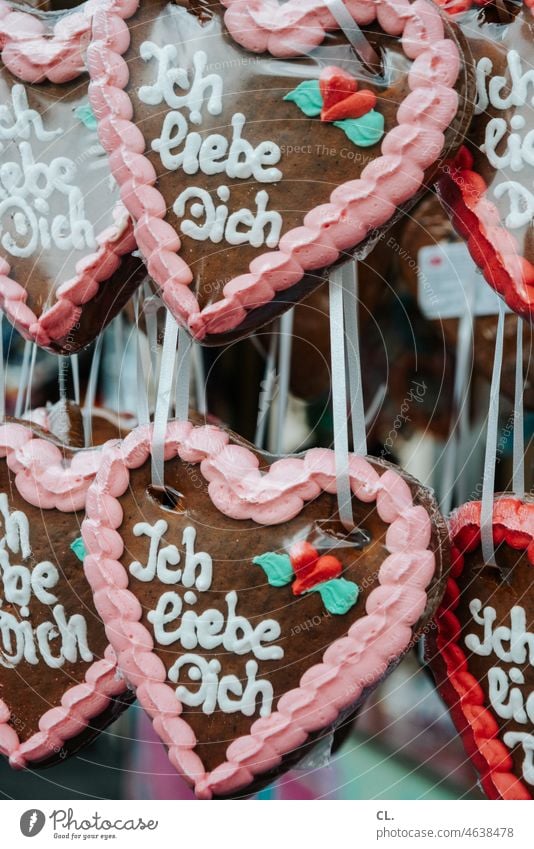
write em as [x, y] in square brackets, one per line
[86, 116]
[277, 568]
[365, 131]
[338, 595]
[78, 548]
[307, 97]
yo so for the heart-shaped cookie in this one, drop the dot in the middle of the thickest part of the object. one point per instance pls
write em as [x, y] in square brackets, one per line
[482, 652]
[49, 42]
[245, 616]
[58, 678]
[244, 188]
[65, 237]
[430, 225]
[488, 190]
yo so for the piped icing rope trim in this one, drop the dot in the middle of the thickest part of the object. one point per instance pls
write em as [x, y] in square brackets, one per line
[513, 523]
[44, 480]
[239, 490]
[33, 51]
[355, 208]
[56, 321]
[79, 705]
[42, 476]
[494, 249]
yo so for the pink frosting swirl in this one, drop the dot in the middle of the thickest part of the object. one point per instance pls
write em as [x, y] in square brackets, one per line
[34, 51]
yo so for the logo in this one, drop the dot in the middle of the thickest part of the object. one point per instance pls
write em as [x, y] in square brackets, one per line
[32, 822]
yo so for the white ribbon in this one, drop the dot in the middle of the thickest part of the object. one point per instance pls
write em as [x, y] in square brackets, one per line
[339, 399]
[490, 460]
[267, 388]
[2, 371]
[284, 374]
[143, 414]
[352, 32]
[183, 376]
[349, 276]
[90, 392]
[23, 379]
[118, 352]
[151, 306]
[453, 474]
[200, 380]
[518, 480]
[163, 402]
[28, 401]
[75, 365]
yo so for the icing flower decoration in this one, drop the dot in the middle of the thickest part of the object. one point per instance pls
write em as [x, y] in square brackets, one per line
[309, 571]
[86, 116]
[335, 98]
[78, 547]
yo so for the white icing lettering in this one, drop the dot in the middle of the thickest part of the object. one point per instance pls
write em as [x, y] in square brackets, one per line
[526, 740]
[160, 558]
[504, 145]
[214, 154]
[28, 186]
[219, 225]
[520, 641]
[211, 630]
[213, 692]
[19, 585]
[170, 76]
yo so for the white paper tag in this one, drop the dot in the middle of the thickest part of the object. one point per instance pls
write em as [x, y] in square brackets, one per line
[445, 273]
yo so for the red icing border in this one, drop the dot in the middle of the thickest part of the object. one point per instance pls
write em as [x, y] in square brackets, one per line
[64, 488]
[493, 248]
[356, 208]
[513, 522]
[237, 487]
[34, 52]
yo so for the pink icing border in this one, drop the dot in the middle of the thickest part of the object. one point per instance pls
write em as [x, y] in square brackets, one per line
[63, 488]
[356, 207]
[41, 475]
[238, 489]
[56, 321]
[33, 52]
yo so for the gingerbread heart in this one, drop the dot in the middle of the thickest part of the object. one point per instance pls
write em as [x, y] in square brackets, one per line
[58, 677]
[482, 652]
[245, 616]
[49, 42]
[243, 194]
[488, 189]
[65, 238]
[430, 225]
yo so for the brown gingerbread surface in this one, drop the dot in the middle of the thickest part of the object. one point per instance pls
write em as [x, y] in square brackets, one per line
[306, 626]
